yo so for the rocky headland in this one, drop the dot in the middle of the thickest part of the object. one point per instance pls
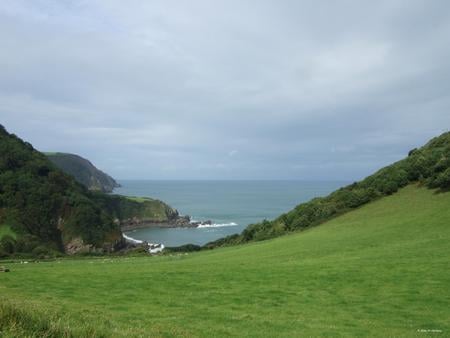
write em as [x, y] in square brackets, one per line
[177, 221]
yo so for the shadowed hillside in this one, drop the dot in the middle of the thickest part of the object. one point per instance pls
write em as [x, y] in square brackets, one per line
[46, 212]
[83, 171]
[45, 208]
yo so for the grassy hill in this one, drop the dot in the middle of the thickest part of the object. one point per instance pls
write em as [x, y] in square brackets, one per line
[83, 171]
[429, 165]
[380, 270]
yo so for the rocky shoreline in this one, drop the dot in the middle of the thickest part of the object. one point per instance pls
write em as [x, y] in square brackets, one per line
[177, 222]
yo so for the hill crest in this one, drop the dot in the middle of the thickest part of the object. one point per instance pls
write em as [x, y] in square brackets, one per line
[83, 171]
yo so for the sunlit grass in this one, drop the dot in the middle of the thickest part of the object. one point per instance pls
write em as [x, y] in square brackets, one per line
[139, 199]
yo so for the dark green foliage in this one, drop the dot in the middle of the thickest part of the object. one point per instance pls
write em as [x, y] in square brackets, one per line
[442, 180]
[46, 207]
[183, 248]
[7, 245]
[429, 165]
[27, 243]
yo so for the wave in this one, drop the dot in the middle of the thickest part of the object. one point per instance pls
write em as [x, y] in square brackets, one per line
[131, 239]
[232, 224]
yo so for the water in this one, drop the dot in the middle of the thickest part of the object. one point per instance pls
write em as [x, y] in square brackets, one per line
[230, 205]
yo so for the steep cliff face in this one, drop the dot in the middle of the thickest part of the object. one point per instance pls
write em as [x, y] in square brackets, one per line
[83, 171]
[138, 212]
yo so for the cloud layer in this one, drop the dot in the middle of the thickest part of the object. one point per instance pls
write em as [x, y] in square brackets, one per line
[227, 89]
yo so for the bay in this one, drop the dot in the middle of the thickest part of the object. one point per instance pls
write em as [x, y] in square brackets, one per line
[230, 205]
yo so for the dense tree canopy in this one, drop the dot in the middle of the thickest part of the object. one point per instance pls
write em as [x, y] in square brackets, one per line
[44, 206]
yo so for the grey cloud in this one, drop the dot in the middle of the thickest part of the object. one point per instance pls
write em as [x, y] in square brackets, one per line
[227, 89]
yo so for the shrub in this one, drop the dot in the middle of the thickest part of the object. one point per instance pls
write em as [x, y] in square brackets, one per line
[443, 180]
[8, 244]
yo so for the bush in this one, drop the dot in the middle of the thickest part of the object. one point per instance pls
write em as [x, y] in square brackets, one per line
[183, 248]
[443, 180]
[8, 244]
[27, 243]
[3, 254]
[43, 252]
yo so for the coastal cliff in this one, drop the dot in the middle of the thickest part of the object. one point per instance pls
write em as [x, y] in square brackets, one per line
[142, 212]
[43, 209]
[83, 171]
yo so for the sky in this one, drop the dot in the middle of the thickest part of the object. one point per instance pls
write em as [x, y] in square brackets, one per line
[227, 89]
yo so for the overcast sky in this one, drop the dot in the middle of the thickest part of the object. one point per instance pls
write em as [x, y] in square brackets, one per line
[312, 90]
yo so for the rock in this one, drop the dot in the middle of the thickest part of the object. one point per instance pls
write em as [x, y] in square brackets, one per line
[77, 245]
[183, 221]
[177, 222]
[196, 224]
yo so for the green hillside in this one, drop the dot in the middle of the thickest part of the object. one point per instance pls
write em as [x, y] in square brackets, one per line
[46, 212]
[43, 207]
[429, 165]
[143, 208]
[83, 171]
[380, 270]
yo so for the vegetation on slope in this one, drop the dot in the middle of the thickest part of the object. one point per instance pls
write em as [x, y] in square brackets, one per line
[45, 207]
[380, 270]
[83, 171]
[5, 230]
[429, 165]
[144, 208]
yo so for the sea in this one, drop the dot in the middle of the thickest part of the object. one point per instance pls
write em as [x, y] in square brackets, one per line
[229, 205]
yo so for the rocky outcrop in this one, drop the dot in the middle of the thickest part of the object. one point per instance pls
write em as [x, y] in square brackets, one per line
[77, 246]
[208, 222]
[176, 222]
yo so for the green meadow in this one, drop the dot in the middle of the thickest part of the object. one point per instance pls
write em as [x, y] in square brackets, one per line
[380, 270]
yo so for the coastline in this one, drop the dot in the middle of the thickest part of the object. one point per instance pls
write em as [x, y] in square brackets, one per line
[134, 224]
[152, 248]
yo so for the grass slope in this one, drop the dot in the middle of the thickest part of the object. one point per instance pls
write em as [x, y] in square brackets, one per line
[380, 270]
[429, 165]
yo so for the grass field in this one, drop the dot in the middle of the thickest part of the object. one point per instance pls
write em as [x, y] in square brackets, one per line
[382, 270]
[139, 199]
